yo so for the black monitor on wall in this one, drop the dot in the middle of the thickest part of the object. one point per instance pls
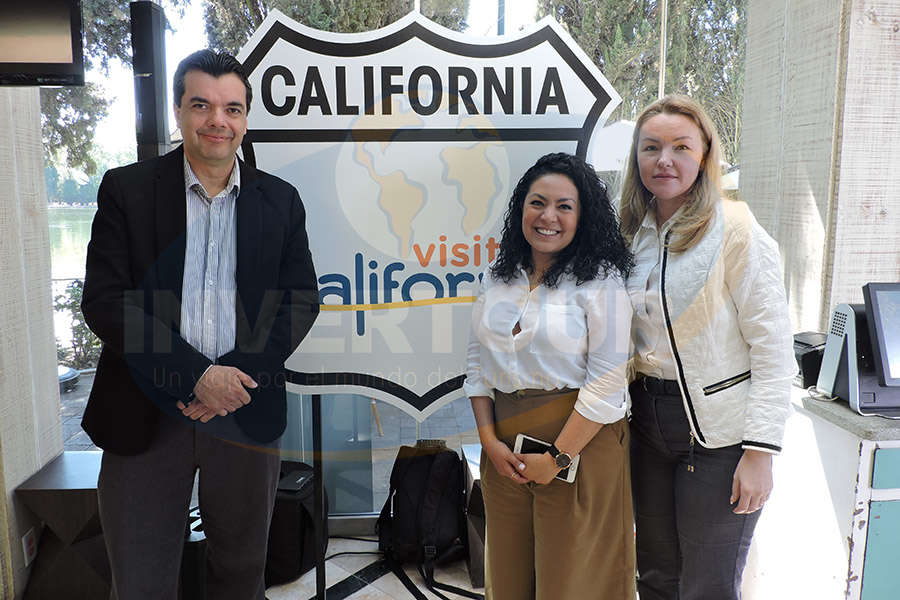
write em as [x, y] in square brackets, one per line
[883, 315]
[41, 42]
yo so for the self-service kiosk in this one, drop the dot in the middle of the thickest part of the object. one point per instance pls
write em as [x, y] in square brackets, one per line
[861, 362]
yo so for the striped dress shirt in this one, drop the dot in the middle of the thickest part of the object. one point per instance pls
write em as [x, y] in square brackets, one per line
[210, 259]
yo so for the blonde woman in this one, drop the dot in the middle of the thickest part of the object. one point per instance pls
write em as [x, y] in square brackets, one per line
[713, 359]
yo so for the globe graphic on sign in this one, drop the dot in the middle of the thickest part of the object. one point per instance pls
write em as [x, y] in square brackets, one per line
[402, 196]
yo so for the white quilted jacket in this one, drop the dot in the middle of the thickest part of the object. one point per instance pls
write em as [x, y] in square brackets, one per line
[729, 330]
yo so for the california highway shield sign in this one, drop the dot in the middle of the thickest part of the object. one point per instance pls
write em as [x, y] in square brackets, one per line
[405, 144]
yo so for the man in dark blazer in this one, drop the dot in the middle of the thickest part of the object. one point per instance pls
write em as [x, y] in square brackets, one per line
[200, 284]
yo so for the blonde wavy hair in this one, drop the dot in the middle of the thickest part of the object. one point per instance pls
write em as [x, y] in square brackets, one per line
[694, 218]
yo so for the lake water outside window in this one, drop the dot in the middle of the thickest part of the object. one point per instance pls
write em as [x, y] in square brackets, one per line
[70, 231]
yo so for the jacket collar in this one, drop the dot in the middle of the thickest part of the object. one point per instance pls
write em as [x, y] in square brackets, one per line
[171, 219]
[249, 224]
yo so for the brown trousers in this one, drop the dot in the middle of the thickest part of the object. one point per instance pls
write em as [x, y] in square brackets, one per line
[560, 541]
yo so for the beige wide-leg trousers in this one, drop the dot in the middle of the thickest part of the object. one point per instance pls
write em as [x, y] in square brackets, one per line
[560, 541]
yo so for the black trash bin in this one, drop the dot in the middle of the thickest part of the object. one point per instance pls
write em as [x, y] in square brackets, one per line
[291, 551]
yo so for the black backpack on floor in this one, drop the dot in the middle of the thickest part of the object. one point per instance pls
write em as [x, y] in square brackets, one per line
[423, 520]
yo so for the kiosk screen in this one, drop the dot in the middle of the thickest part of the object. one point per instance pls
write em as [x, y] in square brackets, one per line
[883, 316]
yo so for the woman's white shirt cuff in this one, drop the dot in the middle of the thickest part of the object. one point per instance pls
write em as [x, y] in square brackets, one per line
[597, 410]
[477, 388]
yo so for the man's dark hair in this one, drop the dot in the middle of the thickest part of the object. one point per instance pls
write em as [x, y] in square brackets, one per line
[211, 63]
[597, 248]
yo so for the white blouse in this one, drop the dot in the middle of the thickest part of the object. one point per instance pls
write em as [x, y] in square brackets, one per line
[572, 336]
[652, 352]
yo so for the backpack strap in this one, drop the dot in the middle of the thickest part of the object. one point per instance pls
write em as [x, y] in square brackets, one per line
[439, 478]
[397, 570]
[434, 586]
[384, 523]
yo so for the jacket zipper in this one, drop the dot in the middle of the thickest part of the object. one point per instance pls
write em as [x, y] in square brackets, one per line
[692, 416]
[726, 383]
[691, 455]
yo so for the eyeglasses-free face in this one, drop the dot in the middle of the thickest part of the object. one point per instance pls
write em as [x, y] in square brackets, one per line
[550, 217]
[212, 118]
[670, 154]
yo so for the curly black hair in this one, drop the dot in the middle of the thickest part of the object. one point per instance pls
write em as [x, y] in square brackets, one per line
[598, 246]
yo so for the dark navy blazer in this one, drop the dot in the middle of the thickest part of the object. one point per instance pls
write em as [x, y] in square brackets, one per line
[132, 300]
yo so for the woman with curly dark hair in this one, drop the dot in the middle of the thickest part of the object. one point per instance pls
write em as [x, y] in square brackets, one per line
[546, 359]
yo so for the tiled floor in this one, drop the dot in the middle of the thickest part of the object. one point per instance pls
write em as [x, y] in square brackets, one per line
[359, 577]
